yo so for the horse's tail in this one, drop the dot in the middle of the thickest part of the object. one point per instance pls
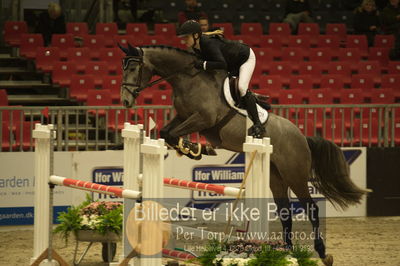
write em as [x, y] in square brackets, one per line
[331, 175]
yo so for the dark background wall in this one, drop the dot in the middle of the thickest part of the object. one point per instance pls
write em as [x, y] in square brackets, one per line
[383, 177]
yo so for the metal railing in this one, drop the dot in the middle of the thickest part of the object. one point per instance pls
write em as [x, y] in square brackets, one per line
[99, 127]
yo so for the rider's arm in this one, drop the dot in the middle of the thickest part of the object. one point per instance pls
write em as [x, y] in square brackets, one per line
[215, 58]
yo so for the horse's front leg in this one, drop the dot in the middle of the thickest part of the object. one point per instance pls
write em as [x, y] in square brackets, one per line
[173, 132]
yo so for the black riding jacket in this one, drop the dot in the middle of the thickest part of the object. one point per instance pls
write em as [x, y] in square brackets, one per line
[220, 53]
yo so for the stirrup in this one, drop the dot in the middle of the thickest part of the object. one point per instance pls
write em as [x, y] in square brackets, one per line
[257, 131]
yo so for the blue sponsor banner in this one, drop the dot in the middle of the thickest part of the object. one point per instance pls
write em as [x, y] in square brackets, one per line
[108, 177]
[24, 215]
[218, 174]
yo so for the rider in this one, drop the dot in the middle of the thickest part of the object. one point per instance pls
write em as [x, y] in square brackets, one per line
[217, 52]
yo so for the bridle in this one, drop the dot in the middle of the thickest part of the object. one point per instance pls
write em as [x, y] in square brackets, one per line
[139, 59]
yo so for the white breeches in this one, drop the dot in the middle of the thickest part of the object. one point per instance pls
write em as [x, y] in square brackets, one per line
[245, 73]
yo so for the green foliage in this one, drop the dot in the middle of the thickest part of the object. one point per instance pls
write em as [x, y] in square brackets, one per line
[270, 256]
[111, 222]
[303, 256]
[70, 221]
[213, 248]
[99, 216]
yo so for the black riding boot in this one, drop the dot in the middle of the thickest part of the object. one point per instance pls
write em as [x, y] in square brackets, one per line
[257, 130]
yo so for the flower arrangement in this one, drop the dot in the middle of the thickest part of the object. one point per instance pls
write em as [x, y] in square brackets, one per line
[98, 216]
[253, 253]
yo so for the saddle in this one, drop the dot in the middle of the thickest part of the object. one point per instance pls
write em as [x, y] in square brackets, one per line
[234, 89]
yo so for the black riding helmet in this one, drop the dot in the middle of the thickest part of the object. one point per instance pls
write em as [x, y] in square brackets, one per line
[189, 27]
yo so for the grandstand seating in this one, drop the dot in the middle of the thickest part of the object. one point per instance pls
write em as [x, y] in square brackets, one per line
[333, 65]
[29, 43]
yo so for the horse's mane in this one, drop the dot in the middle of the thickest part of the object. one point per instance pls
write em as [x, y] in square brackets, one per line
[169, 48]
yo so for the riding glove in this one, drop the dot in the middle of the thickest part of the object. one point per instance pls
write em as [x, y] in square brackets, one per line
[199, 64]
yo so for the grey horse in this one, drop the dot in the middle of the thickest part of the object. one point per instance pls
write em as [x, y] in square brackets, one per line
[201, 107]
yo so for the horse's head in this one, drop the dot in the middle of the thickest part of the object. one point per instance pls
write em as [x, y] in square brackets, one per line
[136, 74]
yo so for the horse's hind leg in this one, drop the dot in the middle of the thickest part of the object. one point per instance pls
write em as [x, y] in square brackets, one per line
[312, 210]
[279, 190]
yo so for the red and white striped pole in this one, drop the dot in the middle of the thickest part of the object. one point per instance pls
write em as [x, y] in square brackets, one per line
[198, 186]
[94, 187]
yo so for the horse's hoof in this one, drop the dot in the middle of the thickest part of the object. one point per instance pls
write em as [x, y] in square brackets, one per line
[328, 260]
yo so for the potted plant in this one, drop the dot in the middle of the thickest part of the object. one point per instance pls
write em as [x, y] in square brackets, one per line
[93, 221]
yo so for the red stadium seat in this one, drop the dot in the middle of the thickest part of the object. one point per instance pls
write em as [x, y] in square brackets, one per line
[320, 54]
[98, 69]
[63, 71]
[13, 31]
[311, 30]
[338, 29]
[332, 81]
[113, 57]
[301, 41]
[369, 132]
[251, 29]
[351, 96]
[6, 143]
[99, 98]
[384, 41]
[227, 28]
[302, 82]
[394, 67]
[156, 40]
[359, 42]
[94, 43]
[290, 97]
[349, 54]
[109, 30]
[46, 57]
[320, 96]
[271, 82]
[390, 80]
[379, 54]
[362, 81]
[306, 127]
[77, 28]
[29, 43]
[117, 118]
[336, 131]
[397, 131]
[3, 98]
[80, 84]
[264, 54]
[271, 41]
[136, 29]
[283, 68]
[294, 54]
[314, 69]
[62, 41]
[251, 41]
[328, 41]
[162, 97]
[384, 96]
[25, 141]
[279, 29]
[113, 83]
[80, 56]
[165, 29]
[341, 68]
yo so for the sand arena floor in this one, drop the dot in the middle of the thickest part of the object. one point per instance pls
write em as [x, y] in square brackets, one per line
[352, 241]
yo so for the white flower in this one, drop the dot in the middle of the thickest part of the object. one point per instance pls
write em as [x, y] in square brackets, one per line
[292, 261]
[234, 261]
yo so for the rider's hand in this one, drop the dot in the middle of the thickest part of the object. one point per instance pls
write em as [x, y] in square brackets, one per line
[199, 64]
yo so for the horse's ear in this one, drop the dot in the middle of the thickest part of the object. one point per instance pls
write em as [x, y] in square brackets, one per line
[125, 50]
[132, 50]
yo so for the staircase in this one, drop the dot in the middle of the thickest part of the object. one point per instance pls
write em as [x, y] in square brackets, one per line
[25, 85]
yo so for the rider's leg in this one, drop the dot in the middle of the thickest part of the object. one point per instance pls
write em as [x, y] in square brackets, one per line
[245, 73]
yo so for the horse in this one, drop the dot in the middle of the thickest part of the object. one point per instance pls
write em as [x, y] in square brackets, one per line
[201, 107]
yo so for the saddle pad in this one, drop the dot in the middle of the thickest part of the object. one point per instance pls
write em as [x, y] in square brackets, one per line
[262, 113]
